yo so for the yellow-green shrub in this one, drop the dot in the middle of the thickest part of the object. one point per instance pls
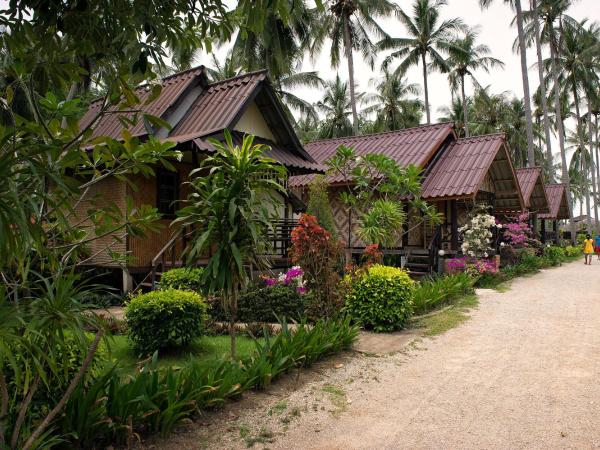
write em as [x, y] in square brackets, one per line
[164, 319]
[380, 298]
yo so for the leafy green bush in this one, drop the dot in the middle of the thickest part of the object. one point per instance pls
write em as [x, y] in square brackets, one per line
[114, 407]
[262, 303]
[571, 251]
[183, 278]
[164, 319]
[555, 254]
[381, 298]
[430, 294]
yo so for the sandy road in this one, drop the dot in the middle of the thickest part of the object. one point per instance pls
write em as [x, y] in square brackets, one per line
[523, 372]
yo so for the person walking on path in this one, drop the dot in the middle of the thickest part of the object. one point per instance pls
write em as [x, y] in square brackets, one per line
[597, 244]
[588, 249]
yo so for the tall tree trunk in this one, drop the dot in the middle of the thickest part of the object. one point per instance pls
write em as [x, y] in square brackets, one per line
[464, 105]
[593, 161]
[560, 125]
[584, 172]
[597, 151]
[348, 46]
[538, 45]
[526, 94]
[424, 62]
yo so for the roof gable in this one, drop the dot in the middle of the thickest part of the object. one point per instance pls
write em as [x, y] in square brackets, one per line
[173, 89]
[557, 201]
[462, 168]
[531, 182]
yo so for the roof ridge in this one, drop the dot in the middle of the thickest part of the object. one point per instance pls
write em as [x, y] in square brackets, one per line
[182, 72]
[529, 168]
[245, 74]
[380, 133]
[481, 136]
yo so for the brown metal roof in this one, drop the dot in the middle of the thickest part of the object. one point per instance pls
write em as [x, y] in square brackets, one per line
[295, 162]
[557, 200]
[463, 167]
[409, 146]
[218, 106]
[172, 88]
[531, 183]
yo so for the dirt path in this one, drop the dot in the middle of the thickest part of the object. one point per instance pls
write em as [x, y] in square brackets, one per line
[524, 372]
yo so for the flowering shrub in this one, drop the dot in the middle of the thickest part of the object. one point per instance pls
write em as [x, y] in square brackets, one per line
[517, 232]
[477, 235]
[471, 265]
[292, 278]
[318, 254]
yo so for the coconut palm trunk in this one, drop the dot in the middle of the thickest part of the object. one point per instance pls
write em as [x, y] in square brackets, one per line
[593, 160]
[584, 172]
[464, 105]
[526, 93]
[560, 125]
[426, 89]
[350, 59]
[538, 46]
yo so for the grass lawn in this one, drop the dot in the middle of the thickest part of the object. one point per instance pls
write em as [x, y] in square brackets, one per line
[208, 349]
[449, 318]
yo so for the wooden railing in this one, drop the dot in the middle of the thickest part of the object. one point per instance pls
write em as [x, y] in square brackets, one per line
[434, 248]
[281, 237]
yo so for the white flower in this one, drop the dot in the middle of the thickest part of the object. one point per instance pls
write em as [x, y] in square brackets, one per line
[179, 155]
[499, 226]
[485, 255]
[471, 254]
[502, 244]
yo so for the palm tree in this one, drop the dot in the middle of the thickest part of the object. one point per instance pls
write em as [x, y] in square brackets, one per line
[578, 63]
[336, 105]
[393, 110]
[279, 44]
[229, 68]
[284, 86]
[427, 35]
[524, 73]
[534, 28]
[349, 24]
[550, 11]
[464, 57]
[455, 113]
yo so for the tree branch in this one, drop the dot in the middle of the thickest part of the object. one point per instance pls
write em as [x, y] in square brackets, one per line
[74, 382]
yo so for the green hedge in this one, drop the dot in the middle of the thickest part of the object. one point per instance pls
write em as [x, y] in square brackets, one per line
[114, 407]
[262, 303]
[380, 298]
[184, 278]
[164, 319]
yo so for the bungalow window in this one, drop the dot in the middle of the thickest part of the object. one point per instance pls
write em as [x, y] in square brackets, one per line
[168, 192]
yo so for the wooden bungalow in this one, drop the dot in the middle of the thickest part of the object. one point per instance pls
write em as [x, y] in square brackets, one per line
[559, 210]
[531, 181]
[456, 173]
[196, 110]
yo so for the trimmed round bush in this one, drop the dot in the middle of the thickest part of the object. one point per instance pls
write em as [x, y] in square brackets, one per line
[381, 298]
[164, 319]
[184, 278]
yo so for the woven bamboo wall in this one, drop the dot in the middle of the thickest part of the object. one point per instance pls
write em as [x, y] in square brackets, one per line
[109, 192]
[143, 249]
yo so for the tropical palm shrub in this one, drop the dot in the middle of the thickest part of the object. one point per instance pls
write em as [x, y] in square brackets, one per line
[430, 294]
[164, 319]
[556, 255]
[380, 298]
[183, 278]
[232, 205]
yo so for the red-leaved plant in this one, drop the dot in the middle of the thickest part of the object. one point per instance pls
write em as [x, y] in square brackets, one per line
[319, 255]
